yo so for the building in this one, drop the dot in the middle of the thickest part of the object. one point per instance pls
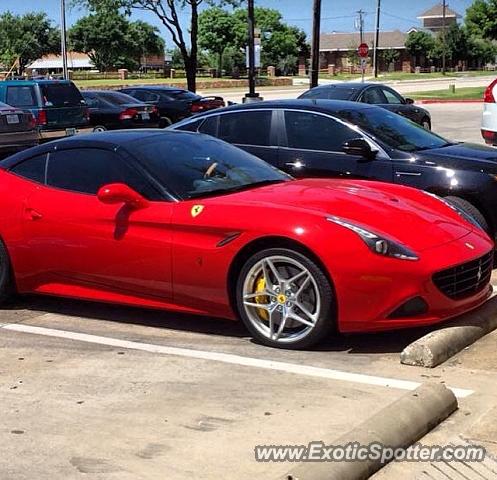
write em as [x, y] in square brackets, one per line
[53, 63]
[337, 50]
[433, 18]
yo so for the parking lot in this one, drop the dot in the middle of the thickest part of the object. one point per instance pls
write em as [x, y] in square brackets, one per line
[97, 391]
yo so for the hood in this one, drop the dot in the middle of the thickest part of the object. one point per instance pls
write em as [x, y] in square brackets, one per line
[404, 214]
[470, 156]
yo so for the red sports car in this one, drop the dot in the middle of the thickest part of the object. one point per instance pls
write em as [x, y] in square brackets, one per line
[186, 222]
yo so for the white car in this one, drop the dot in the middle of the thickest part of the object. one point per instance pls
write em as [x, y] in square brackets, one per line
[489, 120]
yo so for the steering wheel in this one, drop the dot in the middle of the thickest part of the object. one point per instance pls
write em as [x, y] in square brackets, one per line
[212, 167]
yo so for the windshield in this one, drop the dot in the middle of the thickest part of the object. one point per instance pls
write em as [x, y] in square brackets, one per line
[195, 165]
[393, 130]
[61, 95]
[181, 95]
[330, 93]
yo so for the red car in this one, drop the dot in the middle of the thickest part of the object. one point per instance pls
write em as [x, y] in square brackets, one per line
[185, 222]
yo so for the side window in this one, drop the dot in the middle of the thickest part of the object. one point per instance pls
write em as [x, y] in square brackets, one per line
[246, 128]
[190, 126]
[21, 96]
[310, 131]
[92, 102]
[373, 96]
[209, 127]
[85, 170]
[392, 97]
[32, 169]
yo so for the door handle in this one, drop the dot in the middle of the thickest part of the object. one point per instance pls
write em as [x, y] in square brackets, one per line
[297, 164]
[33, 214]
[409, 174]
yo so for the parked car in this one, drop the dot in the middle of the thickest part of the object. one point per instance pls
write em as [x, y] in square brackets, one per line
[374, 94]
[489, 120]
[57, 105]
[174, 104]
[17, 130]
[111, 110]
[189, 223]
[329, 138]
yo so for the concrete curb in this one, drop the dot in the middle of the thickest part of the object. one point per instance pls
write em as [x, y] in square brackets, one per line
[438, 346]
[428, 102]
[398, 425]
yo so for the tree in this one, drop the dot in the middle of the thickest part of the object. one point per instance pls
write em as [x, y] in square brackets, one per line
[168, 12]
[419, 44]
[481, 19]
[216, 33]
[111, 40]
[26, 38]
[389, 56]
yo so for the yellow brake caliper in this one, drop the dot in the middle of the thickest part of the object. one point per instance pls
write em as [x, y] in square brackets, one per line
[260, 286]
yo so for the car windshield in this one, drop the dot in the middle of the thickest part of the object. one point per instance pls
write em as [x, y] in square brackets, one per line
[393, 130]
[332, 93]
[182, 95]
[195, 165]
[61, 95]
[117, 98]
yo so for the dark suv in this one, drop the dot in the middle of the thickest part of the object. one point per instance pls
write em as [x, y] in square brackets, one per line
[57, 105]
[173, 104]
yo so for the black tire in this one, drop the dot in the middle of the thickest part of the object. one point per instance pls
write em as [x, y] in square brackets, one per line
[323, 327]
[100, 128]
[471, 210]
[426, 123]
[165, 122]
[6, 279]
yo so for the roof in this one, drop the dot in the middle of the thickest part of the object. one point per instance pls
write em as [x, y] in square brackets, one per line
[154, 87]
[437, 12]
[348, 41]
[74, 60]
[31, 81]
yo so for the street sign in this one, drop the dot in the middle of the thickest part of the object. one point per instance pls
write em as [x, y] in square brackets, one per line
[364, 63]
[363, 50]
[257, 54]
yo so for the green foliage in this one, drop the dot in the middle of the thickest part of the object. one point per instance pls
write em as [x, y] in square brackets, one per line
[112, 41]
[27, 37]
[389, 56]
[420, 43]
[481, 19]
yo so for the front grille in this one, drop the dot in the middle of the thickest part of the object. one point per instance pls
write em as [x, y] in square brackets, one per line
[466, 279]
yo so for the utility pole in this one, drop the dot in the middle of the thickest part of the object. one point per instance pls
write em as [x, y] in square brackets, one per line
[360, 26]
[376, 40]
[63, 40]
[251, 96]
[444, 43]
[316, 32]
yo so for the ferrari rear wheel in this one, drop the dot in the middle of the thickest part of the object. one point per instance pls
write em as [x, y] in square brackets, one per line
[6, 281]
[284, 299]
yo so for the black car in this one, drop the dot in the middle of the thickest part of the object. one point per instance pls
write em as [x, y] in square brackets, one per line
[17, 130]
[115, 110]
[328, 138]
[374, 94]
[173, 104]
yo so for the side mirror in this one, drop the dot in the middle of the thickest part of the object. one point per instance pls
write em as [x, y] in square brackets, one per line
[120, 193]
[409, 101]
[359, 147]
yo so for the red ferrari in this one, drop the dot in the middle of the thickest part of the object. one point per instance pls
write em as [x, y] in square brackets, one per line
[185, 222]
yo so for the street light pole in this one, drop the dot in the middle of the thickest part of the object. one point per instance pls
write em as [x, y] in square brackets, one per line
[444, 9]
[63, 40]
[316, 31]
[376, 39]
[251, 96]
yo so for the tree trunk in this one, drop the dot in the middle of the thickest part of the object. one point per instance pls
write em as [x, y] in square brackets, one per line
[191, 74]
[220, 65]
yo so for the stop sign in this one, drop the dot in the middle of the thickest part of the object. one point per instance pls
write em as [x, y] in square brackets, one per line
[363, 50]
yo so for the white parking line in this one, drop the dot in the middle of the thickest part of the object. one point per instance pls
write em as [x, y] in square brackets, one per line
[229, 358]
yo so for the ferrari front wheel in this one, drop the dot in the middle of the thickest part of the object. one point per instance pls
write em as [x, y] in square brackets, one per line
[284, 299]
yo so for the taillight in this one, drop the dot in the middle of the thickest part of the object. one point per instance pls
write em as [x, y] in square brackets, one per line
[489, 136]
[87, 114]
[128, 114]
[154, 110]
[196, 107]
[41, 119]
[488, 96]
[31, 120]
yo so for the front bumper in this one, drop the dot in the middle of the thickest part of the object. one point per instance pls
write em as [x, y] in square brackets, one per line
[64, 132]
[367, 299]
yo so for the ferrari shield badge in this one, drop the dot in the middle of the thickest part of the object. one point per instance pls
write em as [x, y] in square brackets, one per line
[196, 210]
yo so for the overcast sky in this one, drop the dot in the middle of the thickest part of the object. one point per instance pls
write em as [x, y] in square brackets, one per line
[338, 15]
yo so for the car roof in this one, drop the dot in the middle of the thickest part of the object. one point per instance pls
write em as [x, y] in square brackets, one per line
[318, 105]
[349, 85]
[109, 140]
[34, 81]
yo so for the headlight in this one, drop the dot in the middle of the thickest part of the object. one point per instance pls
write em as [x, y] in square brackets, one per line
[377, 243]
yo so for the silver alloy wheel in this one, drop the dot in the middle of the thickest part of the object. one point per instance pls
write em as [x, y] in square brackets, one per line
[100, 128]
[426, 125]
[281, 299]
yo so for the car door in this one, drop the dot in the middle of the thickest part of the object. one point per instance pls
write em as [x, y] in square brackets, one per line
[251, 130]
[312, 147]
[73, 239]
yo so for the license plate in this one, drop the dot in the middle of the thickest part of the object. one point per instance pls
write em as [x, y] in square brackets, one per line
[70, 132]
[145, 116]
[12, 119]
